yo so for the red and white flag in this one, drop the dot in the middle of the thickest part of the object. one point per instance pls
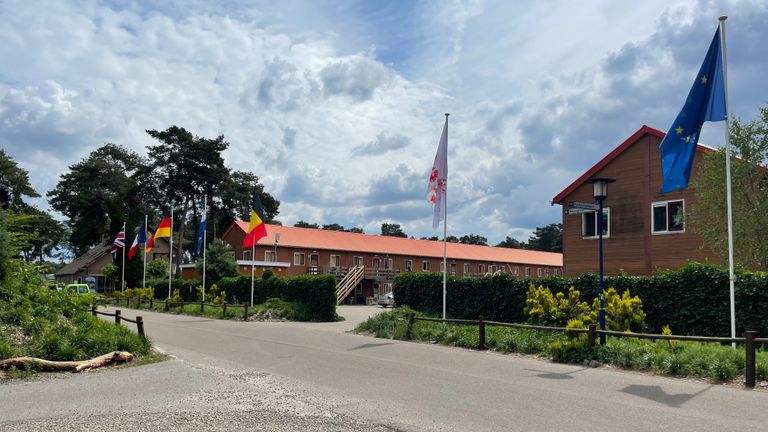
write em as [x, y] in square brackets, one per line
[438, 178]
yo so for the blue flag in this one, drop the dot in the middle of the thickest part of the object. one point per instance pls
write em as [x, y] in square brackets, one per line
[705, 102]
[200, 233]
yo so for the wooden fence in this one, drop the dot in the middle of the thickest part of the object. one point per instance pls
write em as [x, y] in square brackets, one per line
[139, 321]
[749, 340]
[168, 305]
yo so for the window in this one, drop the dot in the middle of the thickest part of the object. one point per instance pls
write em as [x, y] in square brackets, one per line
[493, 268]
[298, 259]
[442, 266]
[546, 271]
[540, 272]
[408, 265]
[558, 272]
[335, 261]
[425, 265]
[589, 224]
[527, 272]
[247, 255]
[269, 256]
[453, 268]
[466, 268]
[357, 261]
[387, 263]
[376, 263]
[516, 271]
[668, 217]
[481, 268]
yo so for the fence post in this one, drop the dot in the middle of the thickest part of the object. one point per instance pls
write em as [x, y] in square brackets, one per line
[93, 309]
[166, 305]
[591, 336]
[140, 325]
[117, 316]
[481, 328]
[409, 329]
[224, 310]
[152, 303]
[245, 311]
[749, 365]
[202, 307]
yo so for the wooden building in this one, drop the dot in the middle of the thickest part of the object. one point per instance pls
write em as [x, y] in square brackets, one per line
[644, 230]
[290, 251]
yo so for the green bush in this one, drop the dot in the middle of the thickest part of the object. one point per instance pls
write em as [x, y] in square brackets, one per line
[316, 293]
[692, 300]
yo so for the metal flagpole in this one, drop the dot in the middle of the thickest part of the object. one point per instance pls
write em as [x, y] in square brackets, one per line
[170, 256]
[122, 278]
[205, 231]
[731, 276]
[445, 220]
[253, 263]
[144, 248]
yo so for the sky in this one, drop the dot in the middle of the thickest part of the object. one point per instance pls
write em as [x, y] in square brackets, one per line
[338, 105]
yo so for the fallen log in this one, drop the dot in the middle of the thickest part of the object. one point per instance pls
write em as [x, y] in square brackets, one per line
[74, 366]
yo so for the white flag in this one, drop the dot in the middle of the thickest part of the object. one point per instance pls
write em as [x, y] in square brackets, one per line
[438, 178]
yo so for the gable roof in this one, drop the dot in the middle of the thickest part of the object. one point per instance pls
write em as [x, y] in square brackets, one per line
[311, 238]
[644, 130]
[86, 259]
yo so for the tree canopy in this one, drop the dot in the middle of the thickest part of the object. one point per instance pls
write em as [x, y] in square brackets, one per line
[392, 230]
[14, 183]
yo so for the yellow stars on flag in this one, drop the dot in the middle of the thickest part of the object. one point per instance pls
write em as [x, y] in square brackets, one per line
[679, 130]
[704, 79]
[688, 139]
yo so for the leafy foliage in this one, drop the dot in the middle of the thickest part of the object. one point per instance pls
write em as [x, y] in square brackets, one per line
[157, 269]
[392, 230]
[219, 261]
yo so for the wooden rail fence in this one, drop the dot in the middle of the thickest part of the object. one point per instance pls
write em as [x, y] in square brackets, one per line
[139, 321]
[749, 340]
[167, 305]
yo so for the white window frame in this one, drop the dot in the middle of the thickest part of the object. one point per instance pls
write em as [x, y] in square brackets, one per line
[408, 264]
[453, 268]
[247, 255]
[357, 261]
[493, 268]
[466, 268]
[540, 272]
[269, 256]
[527, 272]
[335, 261]
[442, 266]
[607, 213]
[298, 259]
[425, 265]
[516, 271]
[665, 204]
[481, 268]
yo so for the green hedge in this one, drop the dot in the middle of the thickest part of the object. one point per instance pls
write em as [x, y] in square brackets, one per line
[692, 300]
[187, 288]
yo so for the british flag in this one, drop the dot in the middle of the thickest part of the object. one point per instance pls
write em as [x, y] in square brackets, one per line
[118, 243]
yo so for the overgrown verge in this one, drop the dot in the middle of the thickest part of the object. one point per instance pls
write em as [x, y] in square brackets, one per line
[689, 359]
[54, 325]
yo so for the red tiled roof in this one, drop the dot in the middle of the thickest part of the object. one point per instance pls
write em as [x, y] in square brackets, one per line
[311, 238]
[612, 155]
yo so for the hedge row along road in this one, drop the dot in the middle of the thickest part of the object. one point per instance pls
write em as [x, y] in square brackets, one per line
[354, 382]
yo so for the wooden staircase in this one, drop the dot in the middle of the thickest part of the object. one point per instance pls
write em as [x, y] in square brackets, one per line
[349, 282]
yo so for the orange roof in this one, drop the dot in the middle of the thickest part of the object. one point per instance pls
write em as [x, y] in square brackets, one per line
[311, 238]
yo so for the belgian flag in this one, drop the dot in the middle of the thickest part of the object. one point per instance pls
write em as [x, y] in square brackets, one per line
[257, 228]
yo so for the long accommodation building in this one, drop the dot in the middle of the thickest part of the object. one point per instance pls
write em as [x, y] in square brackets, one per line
[290, 251]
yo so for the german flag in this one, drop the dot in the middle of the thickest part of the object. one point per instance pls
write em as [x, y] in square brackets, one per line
[163, 230]
[257, 229]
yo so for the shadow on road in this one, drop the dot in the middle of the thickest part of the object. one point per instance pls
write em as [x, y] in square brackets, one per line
[657, 394]
[555, 375]
[369, 345]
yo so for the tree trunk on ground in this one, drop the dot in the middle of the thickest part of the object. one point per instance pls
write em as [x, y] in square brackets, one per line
[74, 366]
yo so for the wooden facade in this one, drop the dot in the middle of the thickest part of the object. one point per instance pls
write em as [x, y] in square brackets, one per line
[636, 241]
[312, 251]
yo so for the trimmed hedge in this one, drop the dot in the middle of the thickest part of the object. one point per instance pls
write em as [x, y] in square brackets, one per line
[692, 300]
[187, 288]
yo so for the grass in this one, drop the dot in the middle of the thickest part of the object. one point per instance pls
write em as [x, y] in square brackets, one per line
[709, 361]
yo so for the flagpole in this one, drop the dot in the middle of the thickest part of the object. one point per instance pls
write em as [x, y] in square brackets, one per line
[122, 277]
[731, 276]
[170, 255]
[144, 248]
[253, 262]
[445, 223]
[205, 231]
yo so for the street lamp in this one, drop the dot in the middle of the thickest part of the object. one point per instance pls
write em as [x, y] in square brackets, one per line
[600, 192]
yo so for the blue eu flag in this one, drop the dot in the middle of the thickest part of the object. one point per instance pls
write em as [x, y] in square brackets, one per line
[706, 102]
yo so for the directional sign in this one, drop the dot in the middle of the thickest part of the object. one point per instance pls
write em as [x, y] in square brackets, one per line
[583, 205]
[574, 211]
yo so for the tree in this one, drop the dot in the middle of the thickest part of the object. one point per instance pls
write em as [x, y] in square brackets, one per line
[111, 273]
[356, 230]
[219, 261]
[48, 234]
[98, 194]
[301, 224]
[473, 239]
[14, 183]
[548, 238]
[433, 238]
[512, 243]
[392, 230]
[157, 269]
[749, 179]
[235, 196]
[333, 227]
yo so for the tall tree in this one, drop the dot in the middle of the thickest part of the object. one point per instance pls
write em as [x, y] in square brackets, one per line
[220, 262]
[333, 227]
[392, 230]
[749, 177]
[48, 234]
[548, 238]
[98, 194]
[512, 243]
[356, 230]
[302, 224]
[234, 200]
[14, 183]
[473, 239]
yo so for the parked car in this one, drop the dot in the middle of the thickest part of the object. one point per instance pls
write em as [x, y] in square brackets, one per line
[387, 299]
[78, 288]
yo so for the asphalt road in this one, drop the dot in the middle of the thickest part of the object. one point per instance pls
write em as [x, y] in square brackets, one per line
[315, 376]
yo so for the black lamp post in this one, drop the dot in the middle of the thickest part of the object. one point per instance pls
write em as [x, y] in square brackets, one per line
[600, 191]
